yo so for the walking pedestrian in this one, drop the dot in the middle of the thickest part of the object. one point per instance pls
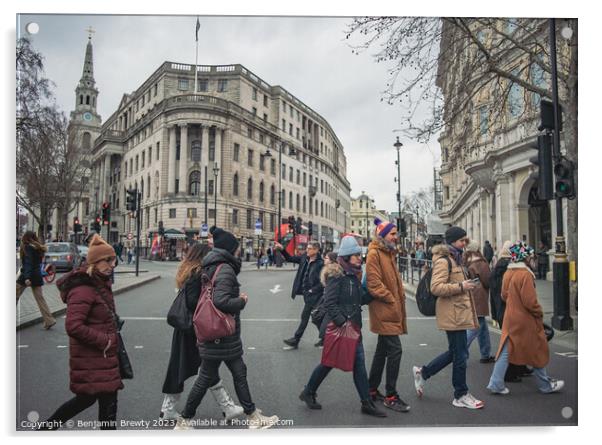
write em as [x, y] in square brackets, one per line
[523, 339]
[478, 267]
[307, 283]
[329, 258]
[455, 315]
[184, 358]
[344, 297]
[542, 261]
[92, 329]
[387, 314]
[228, 299]
[130, 254]
[31, 254]
[488, 252]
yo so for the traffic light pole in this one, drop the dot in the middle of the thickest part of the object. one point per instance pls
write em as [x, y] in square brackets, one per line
[138, 200]
[561, 319]
[109, 228]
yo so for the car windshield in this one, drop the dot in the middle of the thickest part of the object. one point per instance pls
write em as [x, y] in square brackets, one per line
[57, 248]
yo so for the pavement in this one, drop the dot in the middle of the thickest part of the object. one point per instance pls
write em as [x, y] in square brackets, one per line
[27, 310]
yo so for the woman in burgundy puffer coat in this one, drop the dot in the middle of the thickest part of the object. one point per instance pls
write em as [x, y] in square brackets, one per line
[90, 324]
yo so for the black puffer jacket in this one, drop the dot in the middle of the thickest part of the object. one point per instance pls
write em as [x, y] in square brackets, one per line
[30, 267]
[498, 306]
[226, 298]
[343, 296]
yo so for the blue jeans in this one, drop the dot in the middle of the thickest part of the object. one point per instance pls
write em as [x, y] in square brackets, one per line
[456, 354]
[496, 382]
[360, 377]
[482, 332]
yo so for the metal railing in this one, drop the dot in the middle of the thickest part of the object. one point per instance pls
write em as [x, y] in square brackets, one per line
[412, 269]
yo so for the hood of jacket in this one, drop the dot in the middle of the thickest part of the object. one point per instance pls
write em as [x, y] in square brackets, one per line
[440, 251]
[218, 256]
[330, 271]
[379, 243]
[73, 279]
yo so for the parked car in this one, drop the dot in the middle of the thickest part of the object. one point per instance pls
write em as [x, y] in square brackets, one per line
[83, 252]
[64, 256]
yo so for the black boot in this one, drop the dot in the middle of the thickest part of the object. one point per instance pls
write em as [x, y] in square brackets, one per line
[310, 400]
[292, 342]
[368, 407]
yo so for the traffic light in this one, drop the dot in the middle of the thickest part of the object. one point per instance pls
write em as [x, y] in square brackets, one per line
[310, 228]
[131, 200]
[96, 224]
[543, 162]
[161, 228]
[77, 227]
[291, 223]
[564, 171]
[298, 225]
[402, 227]
[546, 109]
[106, 212]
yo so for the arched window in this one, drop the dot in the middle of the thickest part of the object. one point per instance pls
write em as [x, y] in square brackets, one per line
[235, 185]
[250, 189]
[261, 191]
[86, 141]
[194, 182]
[322, 209]
[87, 100]
[81, 99]
[283, 198]
[272, 194]
[298, 202]
[148, 186]
[196, 151]
[316, 212]
[304, 205]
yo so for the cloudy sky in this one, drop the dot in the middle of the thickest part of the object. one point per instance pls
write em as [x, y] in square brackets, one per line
[308, 56]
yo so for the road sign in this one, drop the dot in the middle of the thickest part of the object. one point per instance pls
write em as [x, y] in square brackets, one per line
[258, 227]
[130, 236]
[204, 230]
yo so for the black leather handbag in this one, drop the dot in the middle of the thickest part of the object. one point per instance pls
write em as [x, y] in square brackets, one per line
[178, 316]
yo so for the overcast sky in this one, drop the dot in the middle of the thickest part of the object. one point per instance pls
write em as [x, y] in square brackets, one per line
[307, 56]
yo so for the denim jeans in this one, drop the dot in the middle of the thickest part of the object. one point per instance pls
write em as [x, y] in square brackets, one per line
[482, 332]
[209, 376]
[456, 354]
[360, 377]
[388, 348]
[496, 381]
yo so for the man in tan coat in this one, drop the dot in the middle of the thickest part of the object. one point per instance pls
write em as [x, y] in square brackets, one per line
[387, 314]
[455, 313]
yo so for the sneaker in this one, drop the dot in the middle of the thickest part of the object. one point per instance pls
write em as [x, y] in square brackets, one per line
[258, 421]
[556, 385]
[503, 391]
[487, 360]
[376, 395]
[468, 401]
[320, 344]
[310, 400]
[368, 407]
[396, 404]
[292, 342]
[183, 424]
[418, 381]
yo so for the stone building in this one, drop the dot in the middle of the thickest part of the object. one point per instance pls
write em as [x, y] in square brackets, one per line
[211, 155]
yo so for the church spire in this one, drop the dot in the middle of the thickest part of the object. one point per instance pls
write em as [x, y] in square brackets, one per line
[86, 92]
[88, 71]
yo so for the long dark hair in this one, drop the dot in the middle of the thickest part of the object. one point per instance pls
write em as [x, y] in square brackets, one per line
[192, 263]
[29, 238]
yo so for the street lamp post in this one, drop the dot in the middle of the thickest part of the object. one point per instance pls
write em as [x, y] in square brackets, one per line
[398, 146]
[215, 172]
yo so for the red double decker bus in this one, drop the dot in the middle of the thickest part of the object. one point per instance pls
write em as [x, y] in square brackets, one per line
[291, 242]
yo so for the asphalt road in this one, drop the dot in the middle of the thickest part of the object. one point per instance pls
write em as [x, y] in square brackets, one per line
[277, 376]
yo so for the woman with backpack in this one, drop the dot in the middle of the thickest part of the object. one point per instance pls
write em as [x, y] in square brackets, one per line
[343, 299]
[228, 299]
[184, 359]
[478, 267]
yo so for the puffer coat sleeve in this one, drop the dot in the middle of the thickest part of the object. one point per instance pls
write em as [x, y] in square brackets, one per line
[226, 295]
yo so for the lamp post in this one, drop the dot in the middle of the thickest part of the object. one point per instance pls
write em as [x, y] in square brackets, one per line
[206, 197]
[398, 146]
[215, 172]
[417, 216]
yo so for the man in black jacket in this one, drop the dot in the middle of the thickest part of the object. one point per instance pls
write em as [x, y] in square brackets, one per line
[307, 283]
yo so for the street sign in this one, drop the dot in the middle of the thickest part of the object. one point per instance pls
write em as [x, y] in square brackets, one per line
[204, 230]
[258, 227]
[130, 236]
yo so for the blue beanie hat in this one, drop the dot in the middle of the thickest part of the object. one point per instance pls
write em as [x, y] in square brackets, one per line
[349, 246]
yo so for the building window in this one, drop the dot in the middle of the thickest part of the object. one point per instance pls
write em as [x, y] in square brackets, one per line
[273, 167]
[265, 117]
[261, 188]
[283, 171]
[211, 214]
[298, 177]
[446, 192]
[195, 183]
[235, 185]
[290, 174]
[154, 94]
[177, 186]
[250, 189]
[177, 150]
[483, 120]
[210, 187]
[290, 129]
[172, 213]
[222, 85]
[298, 206]
[261, 162]
[143, 158]
[304, 205]
[283, 125]
[297, 132]
[136, 162]
[212, 144]
[284, 106]
[254, 111]
[234, 217]
[271, 222]
[250, 157]
[182, 84]
[191, 212]
[283, 198]
[249, 219]
[158, 145]
[272, 194]
[254, 93]
[304, 179]
[515, 97]
[150, 155]
[290, 200]
[250, 133]
[203, 85]
[265, 100]
[195, 151]
[236, 152]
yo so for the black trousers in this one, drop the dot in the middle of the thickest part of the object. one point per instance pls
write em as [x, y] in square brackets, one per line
[107, 409]
[388, 349]
[542, 270]
[309, 306]
[209, 376]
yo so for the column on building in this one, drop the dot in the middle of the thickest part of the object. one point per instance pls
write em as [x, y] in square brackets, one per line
[512, 207]
[218, 158]
[106, 173]
[171, 171]
[205, 155]
[183, 189]
[483, 218]
[502, 218]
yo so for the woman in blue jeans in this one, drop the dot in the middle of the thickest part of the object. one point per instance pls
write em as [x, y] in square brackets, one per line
[343, 298]
[523, 339]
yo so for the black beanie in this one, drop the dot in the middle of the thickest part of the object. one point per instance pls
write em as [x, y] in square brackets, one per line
[454, 234]
[224, 240]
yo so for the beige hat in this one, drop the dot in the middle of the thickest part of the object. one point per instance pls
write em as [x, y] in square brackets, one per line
[98, 250]
[505, 252]
[473, 246]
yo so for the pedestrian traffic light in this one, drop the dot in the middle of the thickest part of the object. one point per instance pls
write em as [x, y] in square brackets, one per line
[131, 200]
[310, 228]
[546, 109]
[77, 227]
[106, 212]
[543, 162]
[96, 224]
[564, 171]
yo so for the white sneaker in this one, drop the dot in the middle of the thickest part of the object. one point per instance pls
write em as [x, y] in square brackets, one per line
[556, 385]
[183, 424]
[258, 421]
[418, 381]
[468, 401]
[502, 392]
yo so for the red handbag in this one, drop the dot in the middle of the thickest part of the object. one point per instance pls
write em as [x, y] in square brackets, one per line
[340, 345]
[209, 322]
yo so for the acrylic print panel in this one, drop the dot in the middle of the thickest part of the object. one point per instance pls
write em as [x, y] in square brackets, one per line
[165, 126]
